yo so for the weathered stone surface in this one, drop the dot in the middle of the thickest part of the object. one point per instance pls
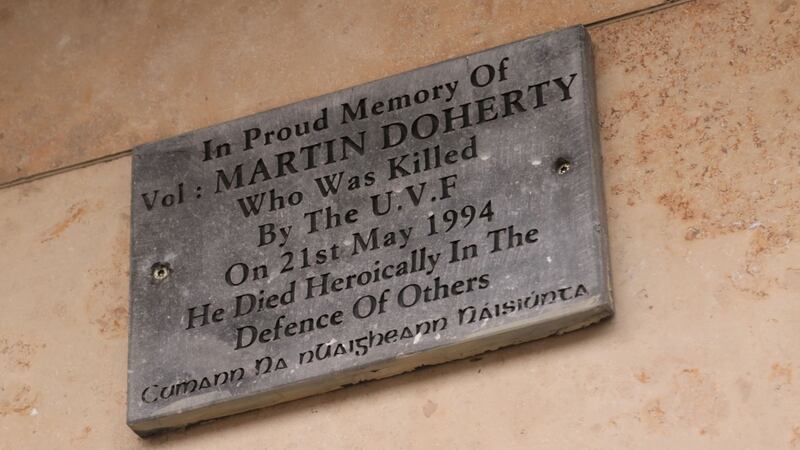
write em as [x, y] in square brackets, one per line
[425, 217]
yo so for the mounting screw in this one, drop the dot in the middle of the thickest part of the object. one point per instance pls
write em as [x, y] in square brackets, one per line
[160, 271]
[562, 166]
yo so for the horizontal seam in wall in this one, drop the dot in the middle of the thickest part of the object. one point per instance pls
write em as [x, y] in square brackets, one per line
[637, 13]
[69, 168]
[128, 152]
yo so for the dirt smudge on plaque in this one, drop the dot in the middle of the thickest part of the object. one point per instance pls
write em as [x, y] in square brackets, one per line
[642, 376]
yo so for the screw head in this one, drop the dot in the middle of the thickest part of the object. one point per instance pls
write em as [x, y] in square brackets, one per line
[160, 271]
[562, 166]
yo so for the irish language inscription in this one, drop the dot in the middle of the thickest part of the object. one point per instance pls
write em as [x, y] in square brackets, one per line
[420, 218]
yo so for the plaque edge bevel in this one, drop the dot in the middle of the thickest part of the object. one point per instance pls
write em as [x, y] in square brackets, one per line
[592, 123]
[591, 311]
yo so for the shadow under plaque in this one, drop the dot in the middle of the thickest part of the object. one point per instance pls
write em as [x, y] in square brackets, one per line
[425, 217]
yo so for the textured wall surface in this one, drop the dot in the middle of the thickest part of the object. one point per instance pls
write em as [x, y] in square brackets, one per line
[84, 79]
[700, 116]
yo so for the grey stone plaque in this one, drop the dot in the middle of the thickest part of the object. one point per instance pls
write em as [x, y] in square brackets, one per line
[421, 218]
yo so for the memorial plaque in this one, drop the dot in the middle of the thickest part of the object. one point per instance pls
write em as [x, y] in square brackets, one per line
[421, 218]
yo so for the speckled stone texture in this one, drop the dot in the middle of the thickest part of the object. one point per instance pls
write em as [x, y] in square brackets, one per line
[699, 126]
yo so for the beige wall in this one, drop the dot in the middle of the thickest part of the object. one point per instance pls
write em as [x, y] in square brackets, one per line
[700, 114]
